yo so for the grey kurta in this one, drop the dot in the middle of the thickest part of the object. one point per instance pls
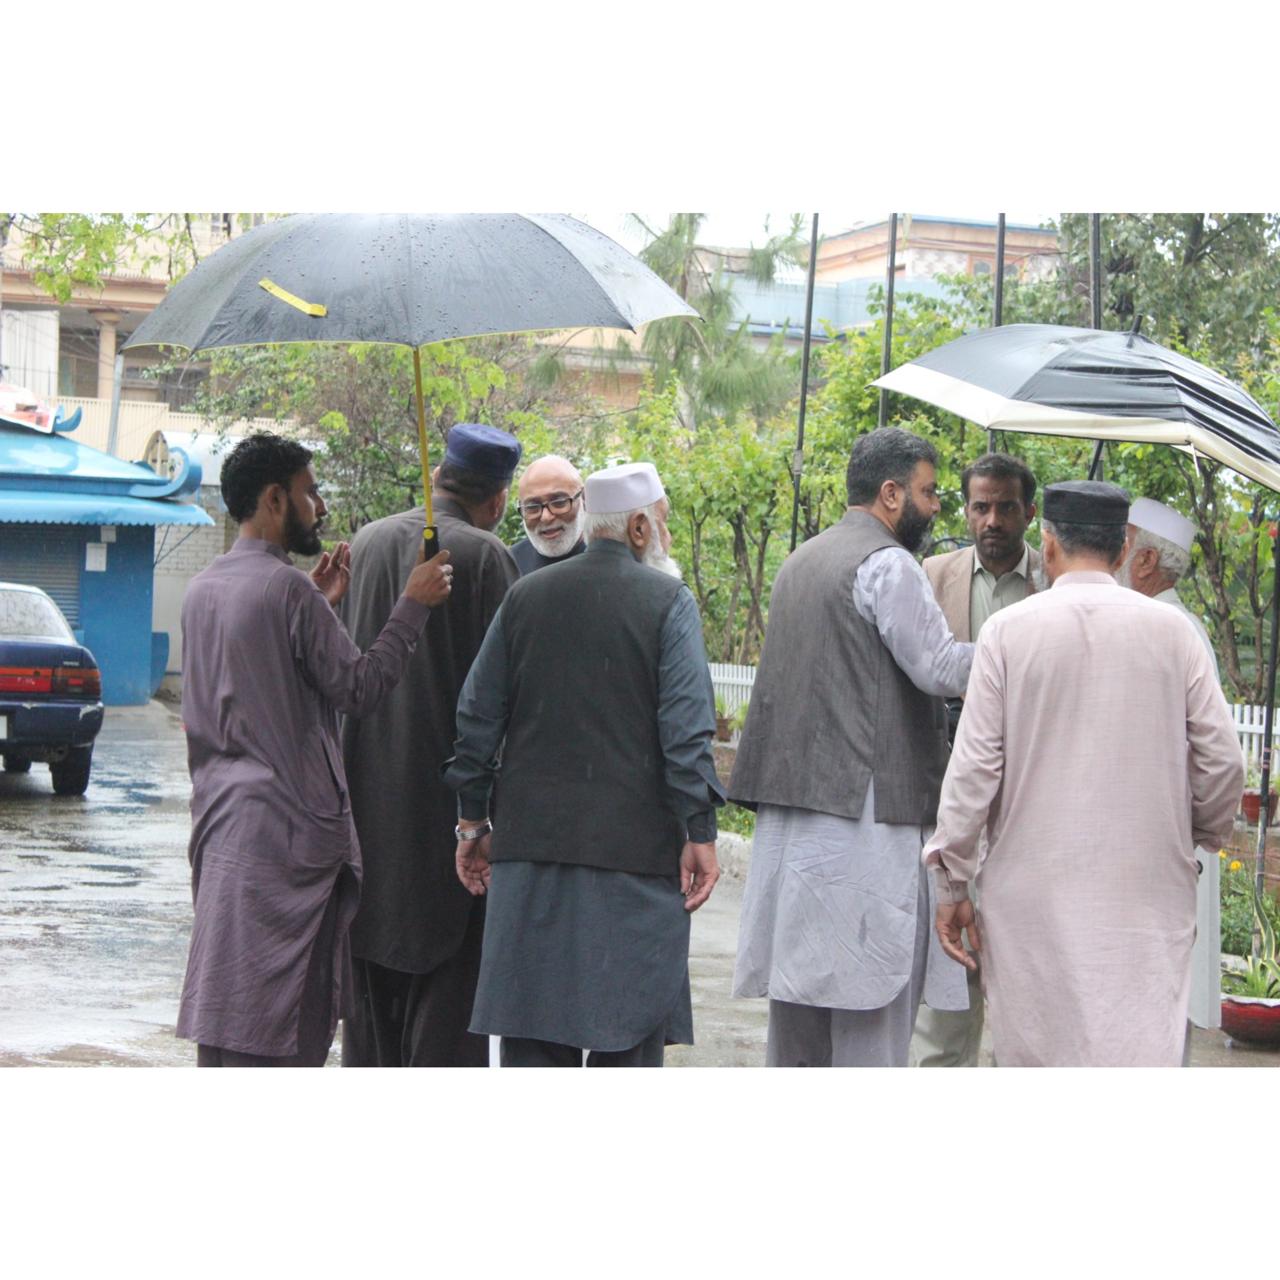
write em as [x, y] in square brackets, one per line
[1096, 746]
[829, 914]
[581, 955]
[267, 667]
[413, 910]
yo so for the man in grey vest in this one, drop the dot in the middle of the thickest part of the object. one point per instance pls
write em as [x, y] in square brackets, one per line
[842, 755]
[603, 839]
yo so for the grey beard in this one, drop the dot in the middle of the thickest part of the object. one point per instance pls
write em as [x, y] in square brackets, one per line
[1122, 575]
[572, 536]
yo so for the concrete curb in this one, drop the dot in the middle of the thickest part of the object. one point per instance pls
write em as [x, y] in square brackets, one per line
[733, 852]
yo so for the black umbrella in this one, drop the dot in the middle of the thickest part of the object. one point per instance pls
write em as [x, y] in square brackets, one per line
[1097, 384]
[1107, 385]
[407, 279]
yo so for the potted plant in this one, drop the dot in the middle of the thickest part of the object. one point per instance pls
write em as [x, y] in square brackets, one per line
[1251, 801]
[1251, 994]
[724, 722]
[740, 717]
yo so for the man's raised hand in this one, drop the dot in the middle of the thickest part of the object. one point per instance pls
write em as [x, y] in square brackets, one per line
[431, 582]
[333, 573]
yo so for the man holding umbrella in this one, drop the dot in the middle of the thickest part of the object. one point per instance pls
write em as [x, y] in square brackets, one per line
[416, 937]
[275, 863]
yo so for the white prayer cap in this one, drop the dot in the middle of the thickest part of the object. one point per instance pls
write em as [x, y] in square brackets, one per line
[626, 487]
[1164, 522]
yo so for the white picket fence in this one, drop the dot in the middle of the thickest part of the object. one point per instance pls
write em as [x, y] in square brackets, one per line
[1250, 731]
[733, 685]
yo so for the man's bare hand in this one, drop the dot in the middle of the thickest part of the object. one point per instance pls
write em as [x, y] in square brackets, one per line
[952, 920]
[699, 872]
[431, 582]
[333, 574]
[472, 861]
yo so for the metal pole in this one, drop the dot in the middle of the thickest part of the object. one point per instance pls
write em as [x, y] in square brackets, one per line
[998, 318]
[797, 459]
[1264, 787]
[1095, 294]
[113, 429]
[888, 315]
[1095, 267]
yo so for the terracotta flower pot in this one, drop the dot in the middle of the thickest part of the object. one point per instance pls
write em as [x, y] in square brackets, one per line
[1251, 1020]
[724, 730]
[1251, 805]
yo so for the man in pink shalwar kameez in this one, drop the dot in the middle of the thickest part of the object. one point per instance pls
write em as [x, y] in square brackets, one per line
[1097, 748]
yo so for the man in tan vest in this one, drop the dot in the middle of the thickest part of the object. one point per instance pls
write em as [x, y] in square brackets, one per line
[971, 584]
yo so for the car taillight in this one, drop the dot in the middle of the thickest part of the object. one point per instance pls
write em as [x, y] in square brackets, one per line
[25, 679]
[79, 682]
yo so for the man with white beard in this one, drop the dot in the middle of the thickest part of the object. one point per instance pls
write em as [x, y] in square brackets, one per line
[603, 842]
[1159, 556]
[553, 511]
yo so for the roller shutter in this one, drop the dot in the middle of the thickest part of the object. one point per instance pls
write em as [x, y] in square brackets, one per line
[46, 556]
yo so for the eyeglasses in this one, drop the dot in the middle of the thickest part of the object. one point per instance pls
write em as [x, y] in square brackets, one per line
[560, 505]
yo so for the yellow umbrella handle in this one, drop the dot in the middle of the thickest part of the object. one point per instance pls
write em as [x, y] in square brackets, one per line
[430, 535]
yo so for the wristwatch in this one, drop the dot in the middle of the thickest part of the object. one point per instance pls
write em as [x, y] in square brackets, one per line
[472, 833]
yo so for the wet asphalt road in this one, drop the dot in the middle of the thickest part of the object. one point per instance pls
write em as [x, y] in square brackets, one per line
[95, 915]
[95, 902]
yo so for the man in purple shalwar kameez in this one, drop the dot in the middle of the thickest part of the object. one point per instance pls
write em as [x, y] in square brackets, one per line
[275, 863]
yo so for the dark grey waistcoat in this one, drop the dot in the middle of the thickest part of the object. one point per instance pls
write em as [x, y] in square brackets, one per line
[583, 772]
[830, 708]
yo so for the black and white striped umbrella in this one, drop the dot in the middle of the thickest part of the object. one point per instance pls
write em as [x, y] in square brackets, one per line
[1097, 384]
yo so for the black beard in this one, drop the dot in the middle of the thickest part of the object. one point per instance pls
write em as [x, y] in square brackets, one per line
[913, 526]
[300, 541]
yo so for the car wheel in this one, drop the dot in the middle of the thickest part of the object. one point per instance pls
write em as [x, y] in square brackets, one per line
[71, 776]
[17, 764]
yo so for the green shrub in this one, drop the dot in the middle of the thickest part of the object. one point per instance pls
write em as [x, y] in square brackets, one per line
[1237, 906]
[740, 821]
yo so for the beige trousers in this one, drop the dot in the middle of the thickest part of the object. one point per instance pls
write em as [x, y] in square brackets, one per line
[944, 1038]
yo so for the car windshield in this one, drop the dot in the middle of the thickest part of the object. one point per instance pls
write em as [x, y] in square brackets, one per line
[26, 615]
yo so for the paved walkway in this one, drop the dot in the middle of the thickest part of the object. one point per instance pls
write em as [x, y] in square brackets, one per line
[95, 915]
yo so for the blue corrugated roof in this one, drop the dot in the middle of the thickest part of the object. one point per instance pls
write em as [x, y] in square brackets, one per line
[25, 451]
[50, 506]
[50, 479]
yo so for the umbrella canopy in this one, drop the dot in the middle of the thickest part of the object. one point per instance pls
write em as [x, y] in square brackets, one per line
[407, 279]
[1097, 384]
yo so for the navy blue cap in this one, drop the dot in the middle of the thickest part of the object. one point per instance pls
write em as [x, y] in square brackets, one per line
[477, 447]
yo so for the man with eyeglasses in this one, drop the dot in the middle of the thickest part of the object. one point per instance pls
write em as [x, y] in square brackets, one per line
[553, 512]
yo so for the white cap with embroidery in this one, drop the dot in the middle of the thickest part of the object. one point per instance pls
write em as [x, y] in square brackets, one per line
[1164, 522]
[626, 487]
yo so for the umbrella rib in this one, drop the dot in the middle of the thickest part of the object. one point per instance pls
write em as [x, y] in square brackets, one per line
[560, 244]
